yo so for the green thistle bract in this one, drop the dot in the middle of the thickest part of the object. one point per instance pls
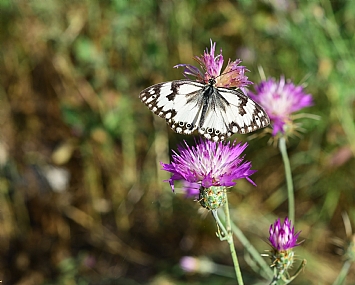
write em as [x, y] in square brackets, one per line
[212, 198]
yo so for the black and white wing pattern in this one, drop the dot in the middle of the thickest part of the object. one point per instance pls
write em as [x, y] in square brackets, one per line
[216, 112]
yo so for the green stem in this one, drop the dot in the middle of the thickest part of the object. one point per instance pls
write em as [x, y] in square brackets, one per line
[228, 236]
[343, 272]
[302, 265]
[290, 192]
[231, 244]
[275, 281]
[251, 249]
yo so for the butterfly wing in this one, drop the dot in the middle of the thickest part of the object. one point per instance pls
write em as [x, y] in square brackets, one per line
[231, 111]
[179, 102]
[225, 111]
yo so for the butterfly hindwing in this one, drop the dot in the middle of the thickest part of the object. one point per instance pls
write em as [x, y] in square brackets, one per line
[217, 113]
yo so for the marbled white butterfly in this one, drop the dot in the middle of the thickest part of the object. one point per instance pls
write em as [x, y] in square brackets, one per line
[216, 112]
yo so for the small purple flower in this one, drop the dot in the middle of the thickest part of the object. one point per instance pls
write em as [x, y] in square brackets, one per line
[279, 100]
[197, 265]
[189, 263]
[209, 164]
[233, 75]
[283, 237]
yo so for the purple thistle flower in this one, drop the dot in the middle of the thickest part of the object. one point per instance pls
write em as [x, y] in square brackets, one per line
[213, 64]
[283, 237]
[233, 75]
[280, 99]
[209, 164]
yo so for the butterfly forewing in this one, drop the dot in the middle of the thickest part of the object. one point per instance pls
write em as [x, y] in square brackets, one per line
[177, 101]
[217, 113]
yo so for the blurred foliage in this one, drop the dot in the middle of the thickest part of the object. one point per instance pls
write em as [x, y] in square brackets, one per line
[81, 194]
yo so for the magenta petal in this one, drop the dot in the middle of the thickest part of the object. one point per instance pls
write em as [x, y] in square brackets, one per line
[233, 75]
[191, 189]
[280, 99]
[191, 70]
[209, 163]
[283, 237]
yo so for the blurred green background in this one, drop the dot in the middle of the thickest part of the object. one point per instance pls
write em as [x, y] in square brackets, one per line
[81, 194]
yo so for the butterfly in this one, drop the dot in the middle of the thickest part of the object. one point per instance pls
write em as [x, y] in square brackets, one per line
[216, 112]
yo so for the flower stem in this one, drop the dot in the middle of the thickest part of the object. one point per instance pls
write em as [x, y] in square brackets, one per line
[228, 236]
[231, 244]
[251, 249]
[290, 192]
[343, 272]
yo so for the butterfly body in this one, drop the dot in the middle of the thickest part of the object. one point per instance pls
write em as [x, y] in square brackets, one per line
[216, 112]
